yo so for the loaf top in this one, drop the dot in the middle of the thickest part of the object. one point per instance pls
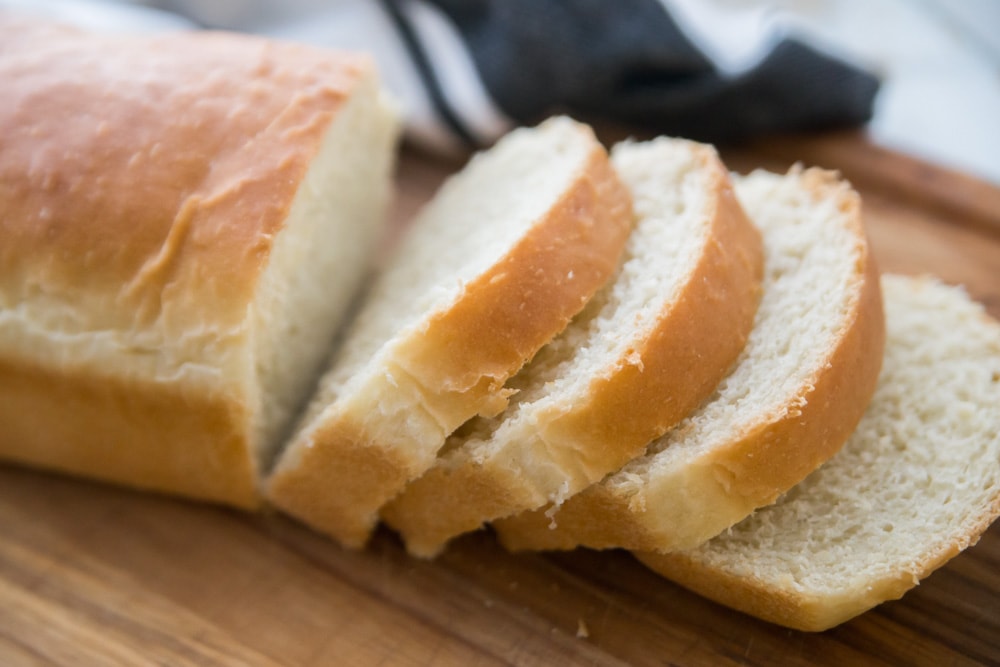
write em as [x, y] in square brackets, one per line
[143, 180]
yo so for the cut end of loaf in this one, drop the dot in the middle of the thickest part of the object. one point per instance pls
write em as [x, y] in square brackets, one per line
[320, 258]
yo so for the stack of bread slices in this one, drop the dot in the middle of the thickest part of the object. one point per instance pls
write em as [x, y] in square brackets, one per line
[630, 350]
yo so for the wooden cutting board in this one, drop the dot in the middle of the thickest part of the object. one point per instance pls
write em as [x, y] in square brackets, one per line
[91, 574]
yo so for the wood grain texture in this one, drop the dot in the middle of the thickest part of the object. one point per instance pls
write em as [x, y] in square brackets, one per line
[95, 575]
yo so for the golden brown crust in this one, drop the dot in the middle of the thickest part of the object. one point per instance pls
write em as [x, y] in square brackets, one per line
[810, 611]
[775, 457]
[523, 301]
[751, 580]
[103, 428]
[691, 348]
[800, 611]
[595, 517]
[142, 183]
[175, 169]
[683, 356]
[343, 465]
[721, 487]
[457, 366]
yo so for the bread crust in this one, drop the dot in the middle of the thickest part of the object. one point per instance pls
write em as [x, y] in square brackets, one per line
[802, 609]
[787, 596]
[674, 366]
[143, 182]
[163, 193]
[457, 365]
[104, 430]
[727, 483]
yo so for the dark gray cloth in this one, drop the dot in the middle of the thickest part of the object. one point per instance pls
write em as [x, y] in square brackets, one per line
[629, 61]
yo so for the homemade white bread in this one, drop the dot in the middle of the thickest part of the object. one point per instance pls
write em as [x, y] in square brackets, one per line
[796, 393]
[650, 346]
[918, 482]
[495, 265]
[184, 220]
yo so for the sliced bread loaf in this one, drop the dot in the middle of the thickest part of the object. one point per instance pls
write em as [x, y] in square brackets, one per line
[650, 346]
[918, 482]
[185, 219]
[795, 395]
[508, 251]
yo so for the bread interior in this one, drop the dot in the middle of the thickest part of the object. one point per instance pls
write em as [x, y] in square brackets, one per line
[808, 299]
[319, 260]
[475, 219]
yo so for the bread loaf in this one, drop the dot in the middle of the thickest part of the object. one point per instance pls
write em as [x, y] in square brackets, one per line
[493, 267]
[185, 219]
[918, 481]
[795, 395]
[650, 346]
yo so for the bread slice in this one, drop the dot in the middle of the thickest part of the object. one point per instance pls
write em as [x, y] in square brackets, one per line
[185, 219]
[795, 395]
[650, 346]
[917, 483]
[496, 265]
